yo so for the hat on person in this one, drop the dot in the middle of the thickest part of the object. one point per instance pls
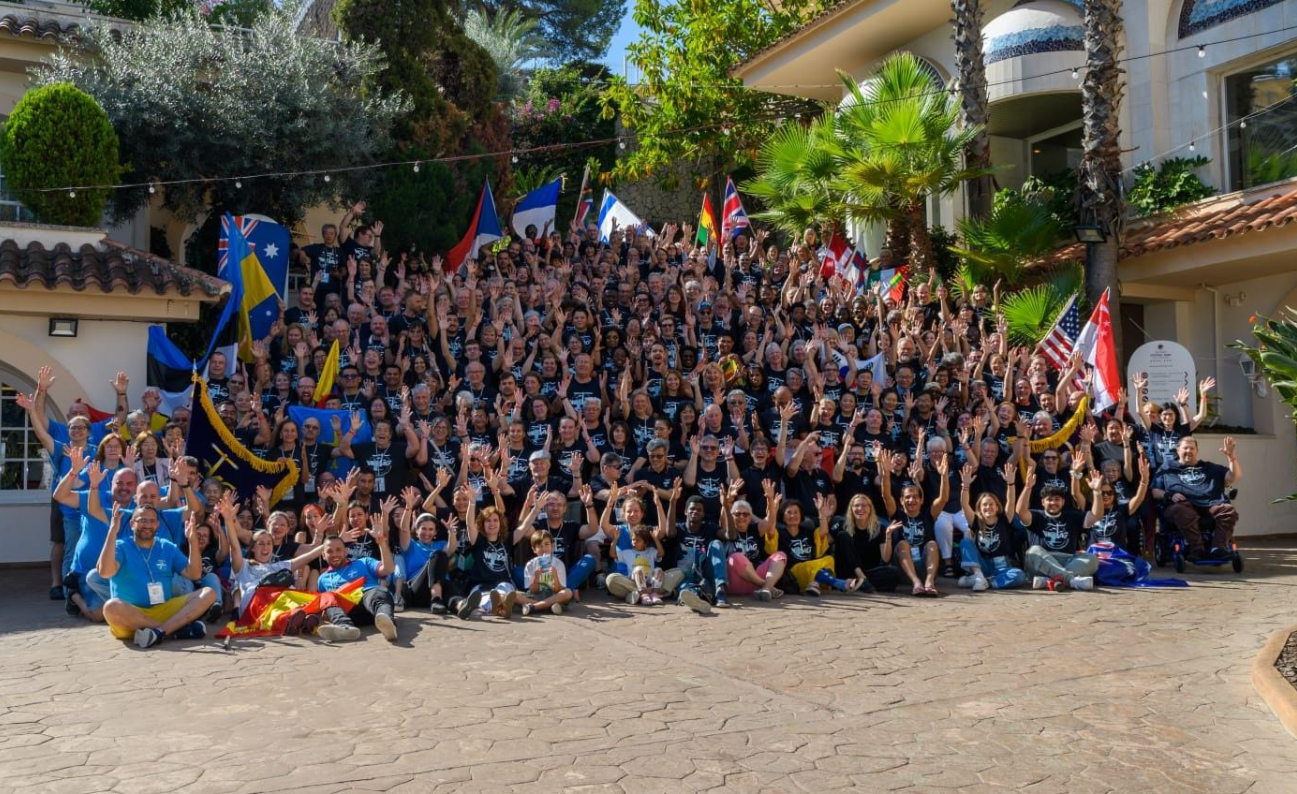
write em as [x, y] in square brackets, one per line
[539, 454]
[704, 306]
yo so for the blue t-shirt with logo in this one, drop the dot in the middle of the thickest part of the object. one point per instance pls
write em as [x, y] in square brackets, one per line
[364, 568]
[138, 567]
[94, 533]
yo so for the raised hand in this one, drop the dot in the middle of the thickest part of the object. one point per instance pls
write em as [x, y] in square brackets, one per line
[1095, 480]
[410, 495]
[95, 474]
[967, 474]
[44, 379]
[120, 382]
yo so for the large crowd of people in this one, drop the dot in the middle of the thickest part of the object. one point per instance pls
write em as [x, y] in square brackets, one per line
[567, 415]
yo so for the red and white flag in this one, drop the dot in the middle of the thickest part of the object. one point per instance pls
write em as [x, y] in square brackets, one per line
[836, 256]
[1097, 346]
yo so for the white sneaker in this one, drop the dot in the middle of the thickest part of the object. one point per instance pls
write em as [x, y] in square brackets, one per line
[331, 633]
[1040, 583]
[601, 581]
[979, 583]
[965, 581]
[632, 597]
[695, 602]
[386, 625]
[556, 609]
[1082, 583]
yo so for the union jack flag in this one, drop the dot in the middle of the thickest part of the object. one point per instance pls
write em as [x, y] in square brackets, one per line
[733, 219]
[245, 225]
[1058, 344]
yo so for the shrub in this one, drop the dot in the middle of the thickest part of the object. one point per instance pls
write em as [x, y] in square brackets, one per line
[58, 136]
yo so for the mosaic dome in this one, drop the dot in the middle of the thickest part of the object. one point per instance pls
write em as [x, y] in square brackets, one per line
[1034, 27]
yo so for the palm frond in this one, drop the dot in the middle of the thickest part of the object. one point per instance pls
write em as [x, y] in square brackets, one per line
[1031, 312]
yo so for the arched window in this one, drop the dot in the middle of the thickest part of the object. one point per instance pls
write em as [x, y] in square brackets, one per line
[24, 466]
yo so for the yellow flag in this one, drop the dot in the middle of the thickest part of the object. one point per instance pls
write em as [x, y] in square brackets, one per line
[327, 375]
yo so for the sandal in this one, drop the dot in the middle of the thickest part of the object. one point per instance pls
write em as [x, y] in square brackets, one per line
[931, 592]
[919, 590]
[812, 590]
[853, 585]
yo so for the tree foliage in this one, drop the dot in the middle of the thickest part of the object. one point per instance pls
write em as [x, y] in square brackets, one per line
[1170, 185]
[58, 136]
[198, 105]
[562, 106]
[239, 13]
[795, 173]
[573, 30]
[509, 36]
[1275, 356]
[1020, 229]
[685, 53]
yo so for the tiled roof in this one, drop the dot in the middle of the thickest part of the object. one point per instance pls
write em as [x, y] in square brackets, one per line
[37, 28]
[117, 268]
[1214, 219]
[830, 10]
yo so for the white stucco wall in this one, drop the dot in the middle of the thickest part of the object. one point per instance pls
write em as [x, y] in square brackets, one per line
[83, 367]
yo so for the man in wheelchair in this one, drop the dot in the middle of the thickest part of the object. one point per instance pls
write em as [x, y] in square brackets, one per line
[1192, 495]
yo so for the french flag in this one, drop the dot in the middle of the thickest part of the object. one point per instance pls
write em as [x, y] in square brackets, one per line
[538, 208]
[484, 229]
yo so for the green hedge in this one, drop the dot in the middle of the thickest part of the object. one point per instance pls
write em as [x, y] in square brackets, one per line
[59, 136]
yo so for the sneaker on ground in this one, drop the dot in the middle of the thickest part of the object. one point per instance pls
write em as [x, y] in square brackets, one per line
[557, 609]
[398, 604]
[633, 597]
[1082, 583]
[147, 638]
[964, 581]
[468, 604]
[438, 606]
[764, 594]
[1040, 583]
[722, 601]
[331, 632]
[526, 610]
[695, 602]
[386, 625]
[600, 581]
[194, 631]
[979, 583]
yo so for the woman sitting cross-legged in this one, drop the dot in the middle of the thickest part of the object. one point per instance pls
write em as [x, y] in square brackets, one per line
[989, 548]
[810, 563]
[260, 570]
[751, 570]
[426, 558]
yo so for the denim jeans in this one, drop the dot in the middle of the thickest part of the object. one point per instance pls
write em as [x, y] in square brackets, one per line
[714, 573]
[997, 570]
[95, 589]
[71, 534]
[182, 586]
[577, 574]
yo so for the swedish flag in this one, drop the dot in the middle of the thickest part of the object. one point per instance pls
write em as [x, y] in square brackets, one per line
[259, 307]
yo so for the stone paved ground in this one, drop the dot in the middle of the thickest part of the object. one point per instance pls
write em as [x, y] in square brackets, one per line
[1142, 692]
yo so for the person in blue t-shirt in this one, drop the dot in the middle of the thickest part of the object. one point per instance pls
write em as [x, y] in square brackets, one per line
[87, 590]
[140, 569]
[375, 606]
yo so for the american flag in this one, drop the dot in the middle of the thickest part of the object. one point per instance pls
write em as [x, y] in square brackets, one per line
[1058, 343]
[733, 218]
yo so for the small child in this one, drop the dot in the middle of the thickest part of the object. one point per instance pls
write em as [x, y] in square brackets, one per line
[641, 561]
[545, 577]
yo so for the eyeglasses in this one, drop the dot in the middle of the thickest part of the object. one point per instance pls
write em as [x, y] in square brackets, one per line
[1108, 493]
[710, 449]
[349, 376]
[1049, 457]
[657, 454]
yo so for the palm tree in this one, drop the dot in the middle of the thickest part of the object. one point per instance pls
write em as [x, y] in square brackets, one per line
[970, 81]
[795, 173]
[1019, 230]
[897, 146]
[509, 36]
[1099, 187]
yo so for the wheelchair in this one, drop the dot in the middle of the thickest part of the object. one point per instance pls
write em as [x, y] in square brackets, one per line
[1170, 548]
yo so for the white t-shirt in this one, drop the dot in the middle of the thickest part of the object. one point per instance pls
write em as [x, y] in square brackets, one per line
[553, 576]
[250, 575]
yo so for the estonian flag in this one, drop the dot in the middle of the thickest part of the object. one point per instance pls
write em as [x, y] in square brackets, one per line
[538, 208]
[169, 371]
[222, 457]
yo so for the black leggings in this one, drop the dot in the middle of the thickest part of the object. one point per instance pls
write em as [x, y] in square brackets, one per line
[375, 601]
[848, 551]
[418, 588]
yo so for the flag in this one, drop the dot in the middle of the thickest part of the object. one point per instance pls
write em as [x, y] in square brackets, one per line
[483, 229]
[612, 210]
[300, 413]
[891, 283]
[585, 199]
[1058, 344]
[1097, 346]
[856, 270]
[169, 371]
[328, 374]
[707, 233]
[538, 208]
[836, 255]
[878, 366]
[221, 456]
[259, 307]
[733, 219]
[270, 241]
[271, 608]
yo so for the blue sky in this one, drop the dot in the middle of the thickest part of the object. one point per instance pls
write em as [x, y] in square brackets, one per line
[627, 33]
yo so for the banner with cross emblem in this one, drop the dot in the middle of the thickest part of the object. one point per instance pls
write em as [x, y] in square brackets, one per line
[221, 456]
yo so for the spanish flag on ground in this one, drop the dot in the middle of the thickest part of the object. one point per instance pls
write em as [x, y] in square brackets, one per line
[271, 607]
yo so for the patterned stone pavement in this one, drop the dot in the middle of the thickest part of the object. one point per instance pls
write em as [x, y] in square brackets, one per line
[1085, 693]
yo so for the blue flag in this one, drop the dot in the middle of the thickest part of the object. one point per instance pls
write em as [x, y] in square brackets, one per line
[537, 208]
[169, 370]
[222, 457]
[324, 416]
[239, 258]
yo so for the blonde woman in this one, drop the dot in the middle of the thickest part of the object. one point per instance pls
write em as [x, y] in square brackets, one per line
[860, 545]
[988, 551]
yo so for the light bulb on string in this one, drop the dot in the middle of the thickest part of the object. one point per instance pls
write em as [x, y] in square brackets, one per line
[1076, 73]
[72, 194]
[515, 158]
[1192, 147]
[1242, 125]
[416, 168]
[238, 184]
[621, 144]
[328, 178]
[153, 188]
[1202, 51]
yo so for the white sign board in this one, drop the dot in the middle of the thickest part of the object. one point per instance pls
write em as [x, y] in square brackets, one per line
[1170, 368]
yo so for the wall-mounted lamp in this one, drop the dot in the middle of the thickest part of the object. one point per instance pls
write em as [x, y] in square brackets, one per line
[63, 326]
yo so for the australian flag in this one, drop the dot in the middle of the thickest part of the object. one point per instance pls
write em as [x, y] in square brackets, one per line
[222, 457]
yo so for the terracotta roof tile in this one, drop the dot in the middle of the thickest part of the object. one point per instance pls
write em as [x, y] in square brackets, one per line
[119, 267]
[37, 28]
[1213, 219]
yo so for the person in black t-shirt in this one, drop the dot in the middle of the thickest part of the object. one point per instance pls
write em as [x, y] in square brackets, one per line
[387, 458]
[1120, 524]
[1191, 489]
[990, 547]
[1054, 535]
